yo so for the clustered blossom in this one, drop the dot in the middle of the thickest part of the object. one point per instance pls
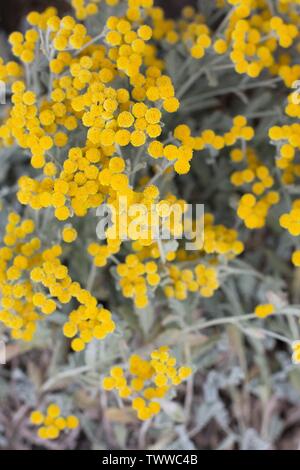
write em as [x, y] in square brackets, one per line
[33, 280]
[149, 380]
[52, 424]
[94, 114]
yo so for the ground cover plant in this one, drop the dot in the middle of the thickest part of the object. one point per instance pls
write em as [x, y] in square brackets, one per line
[130, 318]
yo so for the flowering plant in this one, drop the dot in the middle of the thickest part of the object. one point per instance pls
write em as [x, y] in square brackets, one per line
[116, 102]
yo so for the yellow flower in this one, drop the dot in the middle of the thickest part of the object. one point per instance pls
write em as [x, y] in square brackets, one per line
[264, 310]
[69, 234]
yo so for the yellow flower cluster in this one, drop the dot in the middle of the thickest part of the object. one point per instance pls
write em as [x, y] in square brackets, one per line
[83, 9]
[82, 95]
[254, 173]
[63, 34]
[240, 130]
[263, 310]
[28, 272]
[88, 321]
[296, 258]
[219, 239]
[150, 380]
[285, 33]
[24, 47]
[255, 177]
[136, 278]
[203, 279]
[20, 254]
[252, 37]
[52, 424]
[183, 144]
[292, 109]
[256, 38]
[254, 212]
[129, 51]
[9, 71]
[296, 352]
[286, 139]
[101, 253]
[190, 30]
[91, 172]
[194, 32]
[291, 221]
[89, 111]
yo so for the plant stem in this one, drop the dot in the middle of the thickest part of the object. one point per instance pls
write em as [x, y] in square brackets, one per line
[234, 320]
